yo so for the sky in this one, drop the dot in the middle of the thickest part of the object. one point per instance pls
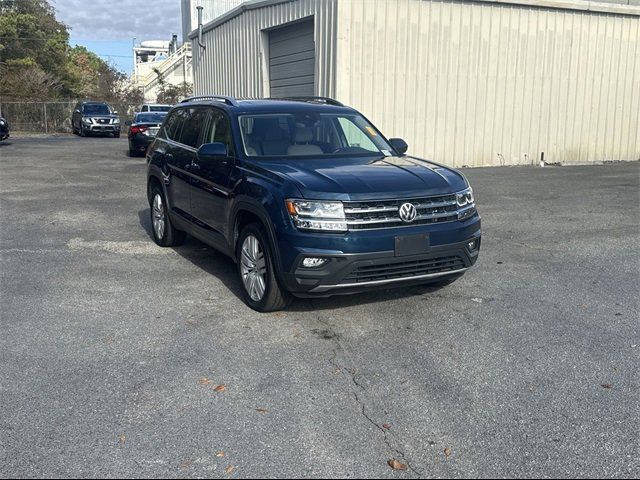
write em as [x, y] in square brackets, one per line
[107, 27]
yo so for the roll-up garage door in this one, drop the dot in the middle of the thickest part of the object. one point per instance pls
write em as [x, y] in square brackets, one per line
[292, 60]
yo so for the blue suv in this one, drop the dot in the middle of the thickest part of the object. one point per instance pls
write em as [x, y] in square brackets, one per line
[308, 197]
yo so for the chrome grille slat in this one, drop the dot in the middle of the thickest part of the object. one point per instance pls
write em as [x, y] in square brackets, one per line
[376, 214]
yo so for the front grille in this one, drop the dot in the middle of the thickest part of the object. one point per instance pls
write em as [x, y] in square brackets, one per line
[406, 269]
[385, 213]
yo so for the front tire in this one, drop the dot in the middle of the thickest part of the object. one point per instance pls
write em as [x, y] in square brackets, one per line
[164, 233]
[260, 287]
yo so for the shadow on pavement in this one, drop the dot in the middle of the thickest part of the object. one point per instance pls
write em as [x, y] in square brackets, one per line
[224, 268]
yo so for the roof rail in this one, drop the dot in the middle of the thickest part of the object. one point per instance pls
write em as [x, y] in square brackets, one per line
[220, 98]
[326, 100]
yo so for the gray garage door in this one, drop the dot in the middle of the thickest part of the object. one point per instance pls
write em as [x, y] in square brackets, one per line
[292, 60]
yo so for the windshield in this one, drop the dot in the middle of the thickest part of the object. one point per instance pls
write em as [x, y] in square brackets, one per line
[159, 108]
[149, 117]
[310, 134]
[96, 109]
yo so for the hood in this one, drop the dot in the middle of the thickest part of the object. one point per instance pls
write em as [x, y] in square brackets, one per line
[365, 179]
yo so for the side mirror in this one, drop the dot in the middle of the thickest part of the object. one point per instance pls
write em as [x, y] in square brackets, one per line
[77, 111]
[399, 145]
[213, 151]
[115, 112]
[128, 123]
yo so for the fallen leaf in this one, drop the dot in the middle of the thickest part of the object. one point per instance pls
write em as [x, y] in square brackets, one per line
[219, 454]
[386, 426]
[220, 388]
[205, 381]
[477, 300]
[447, 452]
[122, 439]
[396, 465]
[261, 410]
[229, 469]
[606, 385]
[186, 464]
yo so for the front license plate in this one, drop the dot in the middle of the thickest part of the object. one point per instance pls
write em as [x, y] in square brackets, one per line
[412, 244]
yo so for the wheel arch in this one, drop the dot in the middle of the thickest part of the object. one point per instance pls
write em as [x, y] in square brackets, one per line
[245, 213]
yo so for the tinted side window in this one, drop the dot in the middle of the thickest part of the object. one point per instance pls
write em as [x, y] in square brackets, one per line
[173, 125]
[219, 130]
[193, 126]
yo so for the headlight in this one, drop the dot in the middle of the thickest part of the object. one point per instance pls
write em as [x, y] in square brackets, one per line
[87, 121]
[312, 215]
[466, 204]
[116, 120]
[2, 122]
[465, 197]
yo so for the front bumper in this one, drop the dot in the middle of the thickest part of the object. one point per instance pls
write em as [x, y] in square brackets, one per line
[100, 128]
[351, 272]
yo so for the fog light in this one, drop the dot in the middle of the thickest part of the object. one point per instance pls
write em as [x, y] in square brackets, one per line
[472, 245]
[313, 262]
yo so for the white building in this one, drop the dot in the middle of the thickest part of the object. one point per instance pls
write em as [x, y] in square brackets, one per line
[159, 62]
[484, 82]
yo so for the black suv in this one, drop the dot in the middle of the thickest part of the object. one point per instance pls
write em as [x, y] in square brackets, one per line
[308, 197]
[95, 117]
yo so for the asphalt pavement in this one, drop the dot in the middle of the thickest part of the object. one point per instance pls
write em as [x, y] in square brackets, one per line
[119, 358]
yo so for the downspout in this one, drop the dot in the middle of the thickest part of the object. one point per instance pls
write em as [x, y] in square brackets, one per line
[202, 45]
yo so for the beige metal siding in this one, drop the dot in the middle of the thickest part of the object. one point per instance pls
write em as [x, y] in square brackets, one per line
[233, 62]
[470, 83]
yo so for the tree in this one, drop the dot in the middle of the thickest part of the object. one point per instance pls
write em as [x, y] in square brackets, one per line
[30, 36]
[170, 94]
[37, 62]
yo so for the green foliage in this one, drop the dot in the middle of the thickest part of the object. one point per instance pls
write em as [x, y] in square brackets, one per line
[37, 62]
[170, 94]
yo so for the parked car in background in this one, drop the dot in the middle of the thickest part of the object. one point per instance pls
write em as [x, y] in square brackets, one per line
[142, 130]
[95, 117]
[4, 129]
[308, 197]
[155, 107]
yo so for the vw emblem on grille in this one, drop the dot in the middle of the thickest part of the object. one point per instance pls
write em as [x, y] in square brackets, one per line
[408, 212]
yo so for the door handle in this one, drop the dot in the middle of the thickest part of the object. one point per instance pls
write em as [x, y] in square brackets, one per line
[194, 167]
[168, 157]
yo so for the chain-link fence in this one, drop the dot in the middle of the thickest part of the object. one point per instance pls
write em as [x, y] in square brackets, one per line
[50, 116]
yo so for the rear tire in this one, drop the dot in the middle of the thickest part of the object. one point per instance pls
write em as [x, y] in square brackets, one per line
[164, 233]
[254, 258]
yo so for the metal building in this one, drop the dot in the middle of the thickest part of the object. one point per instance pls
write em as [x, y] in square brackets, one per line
[466, 83]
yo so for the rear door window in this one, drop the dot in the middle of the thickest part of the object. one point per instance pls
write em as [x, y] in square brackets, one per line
[173, 125]
[196, 119]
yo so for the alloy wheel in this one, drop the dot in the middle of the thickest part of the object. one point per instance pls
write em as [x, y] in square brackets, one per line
[253, 267]
[158, 216]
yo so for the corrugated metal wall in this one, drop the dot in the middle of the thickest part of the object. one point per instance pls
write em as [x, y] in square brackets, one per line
[470, 83]
[232, 63]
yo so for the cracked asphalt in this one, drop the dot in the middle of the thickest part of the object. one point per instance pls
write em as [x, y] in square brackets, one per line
[111, 347]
